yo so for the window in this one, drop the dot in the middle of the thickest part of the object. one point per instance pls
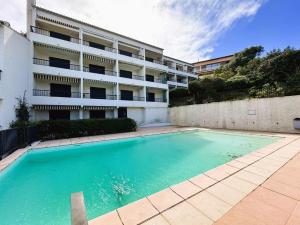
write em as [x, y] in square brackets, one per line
[97, 114]
[59, 115]
[126, 95]
[60, 90]
[96, 69]
[122, 52]
[97, 93]
[122, 112]
[60, 36]
[126, 74]
[96, 45]
[57, 62]
[149, 59]
[149, 78]
[150, 97]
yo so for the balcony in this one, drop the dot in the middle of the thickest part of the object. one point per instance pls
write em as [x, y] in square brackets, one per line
[130, 54]
[133, 98]
[62, 65]
[49, 93]
[107, 97]
[99, 46]
[157, 100]
[53, 34]
[104, 72]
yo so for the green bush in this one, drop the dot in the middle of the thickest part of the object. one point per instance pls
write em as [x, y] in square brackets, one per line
[237, 82]
[179, 92]
[57, 129]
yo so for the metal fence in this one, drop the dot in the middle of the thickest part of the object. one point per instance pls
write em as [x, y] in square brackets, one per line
[15, 138]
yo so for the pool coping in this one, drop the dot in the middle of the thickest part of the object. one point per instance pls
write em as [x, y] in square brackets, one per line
[261, 163]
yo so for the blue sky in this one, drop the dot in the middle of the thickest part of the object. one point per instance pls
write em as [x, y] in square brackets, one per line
[275, 25]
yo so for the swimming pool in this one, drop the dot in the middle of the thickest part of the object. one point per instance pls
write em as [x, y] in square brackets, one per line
[36, 189]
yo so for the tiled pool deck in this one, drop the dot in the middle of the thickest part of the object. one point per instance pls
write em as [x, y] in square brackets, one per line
[260, 188]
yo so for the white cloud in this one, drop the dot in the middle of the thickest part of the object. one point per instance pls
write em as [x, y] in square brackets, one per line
[186, 29]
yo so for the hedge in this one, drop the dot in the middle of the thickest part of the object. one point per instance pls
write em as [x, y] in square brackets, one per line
[57, 129]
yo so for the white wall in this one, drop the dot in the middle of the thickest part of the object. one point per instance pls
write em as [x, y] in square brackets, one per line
[15, 64]
[267, 114]
[156, 115]
[136, 114]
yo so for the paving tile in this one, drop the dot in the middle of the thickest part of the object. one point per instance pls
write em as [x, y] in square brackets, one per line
[274, 199]
[158, 220]
[269, 164]
[186, 189]
[296, 211]
[250, 177]
[237, 164]
[259, 171]
[164, 199]
[282, 188]
[288, 176]
[111, 218]
[137, 212]
[248, 159]
[185, 214]
[221, 172]
[226, 193]
[210, 205]
[203, 181]
[239, 184]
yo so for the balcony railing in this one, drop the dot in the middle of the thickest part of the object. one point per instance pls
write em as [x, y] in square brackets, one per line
[134, 98]
[105, 48]
[47, 33]
[106, 72]
[132, 55]
[157, 100]
[45, 62]
[158, 80]
[135, 77]
[154, 61]
[108, 97]
[56, 93]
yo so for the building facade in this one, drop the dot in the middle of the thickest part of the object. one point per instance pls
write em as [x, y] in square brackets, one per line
[206, 68]
[80, 71]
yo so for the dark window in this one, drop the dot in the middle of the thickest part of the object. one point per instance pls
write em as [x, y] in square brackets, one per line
[96, 45]
[98, 93]
[97, 114]
[59, 115]
[60, 36]
[179, 80]
[122, 112]
[96, 69]
[149, 59]
[60, 90]
[61, 63]
[149, 78]
[126, 95]
[122, 52]
[150, 97]
[126, 74]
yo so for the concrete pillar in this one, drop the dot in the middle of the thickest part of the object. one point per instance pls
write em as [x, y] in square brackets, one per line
[81, 113]
[31, 14]
[78, 211]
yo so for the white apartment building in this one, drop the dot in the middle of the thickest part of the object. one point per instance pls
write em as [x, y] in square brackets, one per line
[80, 71]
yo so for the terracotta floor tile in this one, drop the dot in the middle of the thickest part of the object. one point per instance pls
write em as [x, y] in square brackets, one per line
[250, 177]
[185, 214]
[186, 189]
[226, 193]
[111, 218]
[239, 184]
[282, 188]
[203, 181]
[158, 220]
[210, 205]
[274, 199]
[164, 199]
[293, 220]
[296, 211]
[288, 176]
[137, 212]
[263, 212]
[237, 164]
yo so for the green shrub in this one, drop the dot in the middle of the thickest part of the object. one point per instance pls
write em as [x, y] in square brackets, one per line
[237, 82]
[57, 129]
[179, 93]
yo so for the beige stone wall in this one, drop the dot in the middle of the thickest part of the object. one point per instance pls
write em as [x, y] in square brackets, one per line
[267, 114]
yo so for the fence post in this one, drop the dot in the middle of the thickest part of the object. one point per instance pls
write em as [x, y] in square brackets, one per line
[78, 213]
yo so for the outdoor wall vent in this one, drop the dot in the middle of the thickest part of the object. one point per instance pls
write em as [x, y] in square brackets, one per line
[297, 123]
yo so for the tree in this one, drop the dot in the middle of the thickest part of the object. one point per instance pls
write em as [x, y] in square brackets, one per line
[22, 112]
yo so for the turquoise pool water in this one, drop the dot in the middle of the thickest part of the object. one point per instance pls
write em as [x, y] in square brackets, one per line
[36, 189]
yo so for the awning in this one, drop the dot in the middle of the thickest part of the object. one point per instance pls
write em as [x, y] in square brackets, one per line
[55, 48]
[56, 107]
[99, 107]
[41, 76]
[98, 81]
[98, 59]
